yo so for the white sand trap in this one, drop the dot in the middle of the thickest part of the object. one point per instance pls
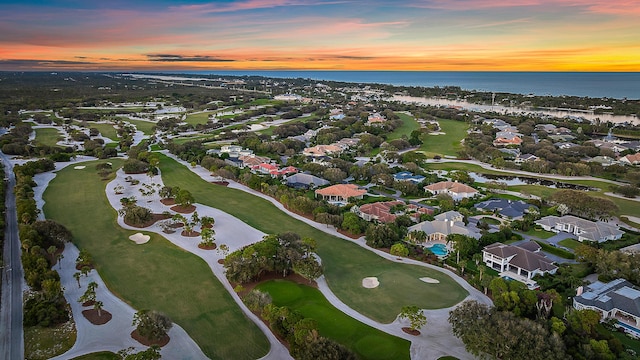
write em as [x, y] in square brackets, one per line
[430, 280]
[370, 282]
[79, 167]
[139, 238]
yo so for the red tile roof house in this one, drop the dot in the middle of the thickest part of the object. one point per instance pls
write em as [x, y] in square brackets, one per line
[380, 211]
[456, 190]
[340, 193]
[504, 141]
[632, 159]
[265, 168]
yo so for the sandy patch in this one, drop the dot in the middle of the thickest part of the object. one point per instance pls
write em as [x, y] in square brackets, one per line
[430, 280]
[139, 238]
[370, 282]
[79, 167]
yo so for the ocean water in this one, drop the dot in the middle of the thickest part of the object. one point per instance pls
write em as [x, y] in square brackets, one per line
[587, 84]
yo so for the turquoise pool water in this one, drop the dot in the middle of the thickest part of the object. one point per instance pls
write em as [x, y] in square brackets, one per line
[439, 249]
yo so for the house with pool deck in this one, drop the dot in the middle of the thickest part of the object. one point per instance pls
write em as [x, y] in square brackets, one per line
[617, 299]
[520, 262]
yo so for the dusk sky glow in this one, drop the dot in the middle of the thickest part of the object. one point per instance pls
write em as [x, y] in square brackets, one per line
[447, 35]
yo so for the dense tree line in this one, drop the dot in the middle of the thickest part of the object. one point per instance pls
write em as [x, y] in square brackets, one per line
[494, 334]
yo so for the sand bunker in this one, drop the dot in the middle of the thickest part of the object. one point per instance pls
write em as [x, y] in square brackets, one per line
[139, 238]
[79, 167]
[370, 282]
[430, 280]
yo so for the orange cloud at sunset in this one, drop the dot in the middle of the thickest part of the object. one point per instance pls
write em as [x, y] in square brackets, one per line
[519, 35]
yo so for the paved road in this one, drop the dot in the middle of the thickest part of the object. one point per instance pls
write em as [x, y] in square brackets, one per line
[11, 331]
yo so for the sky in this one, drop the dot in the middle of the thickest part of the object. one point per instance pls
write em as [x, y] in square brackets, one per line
[425, 35]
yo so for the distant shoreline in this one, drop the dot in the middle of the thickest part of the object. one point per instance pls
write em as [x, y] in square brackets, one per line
[617, 85]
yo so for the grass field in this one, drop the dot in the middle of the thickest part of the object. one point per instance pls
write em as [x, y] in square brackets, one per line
[48, 136]
[570, 243]
[409, 124]
[447, 144]
[198, 118]
[106, 130]
[367, 342]
[345, 263]
[158, 275]
[540, 234]
[145, 126]
[103, 355]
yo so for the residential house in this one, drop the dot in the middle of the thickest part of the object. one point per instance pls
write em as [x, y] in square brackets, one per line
[456, 190]
[288, 97]
[265, 168]
[507, 138]
[618, 300]
[520, 263]
[379, 211]
[306, 181]
[340, 193]
[603, 160]
[584, 229]
[251, 161]
[443, 225]
[525, 158]
[407, 176]
[376, 119]
[321, 150]
[506, 208]
[631, 159]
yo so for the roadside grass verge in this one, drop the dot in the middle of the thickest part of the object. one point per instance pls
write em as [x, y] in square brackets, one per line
[367, 342]
[345, 263]
[447, 144]
[48, 136]
[158, 275]
[45, 343]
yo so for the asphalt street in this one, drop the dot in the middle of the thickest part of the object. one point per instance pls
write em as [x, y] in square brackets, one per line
[11, 330]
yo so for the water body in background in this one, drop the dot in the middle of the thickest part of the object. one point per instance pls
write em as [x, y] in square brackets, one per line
[591, 84]
[587, 115]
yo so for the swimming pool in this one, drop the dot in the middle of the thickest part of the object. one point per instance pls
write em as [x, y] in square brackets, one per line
[439, 250]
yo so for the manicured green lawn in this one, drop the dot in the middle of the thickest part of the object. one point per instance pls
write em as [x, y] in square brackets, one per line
[539, 233]
[345, 263]
[367, 342]
[199, 118]
[491, 221]
[570, 243]
[447, 144]
[106, 130]
[158, 275]
[103, 355]
[409, 124]
[147, 127]
[48, 136]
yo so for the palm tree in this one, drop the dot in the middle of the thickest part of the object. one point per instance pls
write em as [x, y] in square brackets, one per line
[77, 277]
[97, 305]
